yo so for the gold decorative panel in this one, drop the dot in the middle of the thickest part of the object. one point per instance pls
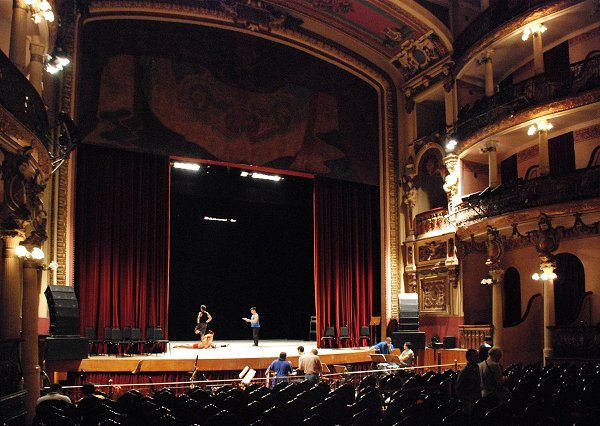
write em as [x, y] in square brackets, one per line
[434, 295]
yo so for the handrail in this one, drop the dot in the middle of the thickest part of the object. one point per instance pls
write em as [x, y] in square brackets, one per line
[493, 17]
[527, 311]
[581, 76]
[18, 97]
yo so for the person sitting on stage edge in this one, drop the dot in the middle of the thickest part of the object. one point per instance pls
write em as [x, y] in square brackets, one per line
[254, 324]
[206, 343]
[385, 348]
[281, 368]
[202, 321]
[407, 357]
[311, 365]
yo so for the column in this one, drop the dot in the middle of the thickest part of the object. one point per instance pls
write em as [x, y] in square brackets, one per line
[544, 154]
[488, 73]
[497, 305]
[484, 4]
[32, 278]
[11, 292]
[490, 149]
[450, 103]
[538, 52]
[36, 66]
[18, 34]
[549, 317]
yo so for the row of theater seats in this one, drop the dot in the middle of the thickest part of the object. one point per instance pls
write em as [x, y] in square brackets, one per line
[554, 395]
[127, 341]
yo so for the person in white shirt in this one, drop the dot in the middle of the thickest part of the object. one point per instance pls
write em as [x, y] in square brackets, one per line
[54, 393]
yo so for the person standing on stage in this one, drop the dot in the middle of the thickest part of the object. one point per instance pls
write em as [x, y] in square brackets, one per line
[202, 321]
[254, 324]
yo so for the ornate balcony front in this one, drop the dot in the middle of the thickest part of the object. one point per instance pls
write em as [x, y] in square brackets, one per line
[583, 76]
[19, 98]
[520, 195]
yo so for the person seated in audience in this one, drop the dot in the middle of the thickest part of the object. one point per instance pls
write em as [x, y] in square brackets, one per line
[468, 382]
[55, 392]
[384, 348]
[281, 368]
[89, 392]
[493, 380]
[205, 343]
[407, 357]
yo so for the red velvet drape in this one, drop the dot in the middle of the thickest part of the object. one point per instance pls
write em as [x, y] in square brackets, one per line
[345, 234]
[121, 238]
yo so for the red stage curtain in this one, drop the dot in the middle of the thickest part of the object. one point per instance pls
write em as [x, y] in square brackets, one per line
[121, 238]
[346, 218]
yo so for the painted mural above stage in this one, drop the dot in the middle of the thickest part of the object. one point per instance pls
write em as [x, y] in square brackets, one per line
[298, 113]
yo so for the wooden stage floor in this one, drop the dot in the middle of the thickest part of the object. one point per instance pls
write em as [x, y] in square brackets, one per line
[236, 355]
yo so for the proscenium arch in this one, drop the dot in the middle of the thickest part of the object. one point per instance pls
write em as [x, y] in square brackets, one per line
[388, 135]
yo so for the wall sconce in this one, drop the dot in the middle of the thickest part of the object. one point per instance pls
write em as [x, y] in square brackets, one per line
[40, 10]
[36, 253]
[451, 144]
[544, 276]
[534, 29]
[539, 127]
[56, 61]
[488, 281]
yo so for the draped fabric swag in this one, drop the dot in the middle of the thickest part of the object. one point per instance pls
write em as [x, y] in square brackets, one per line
[121, 238]
[346, 220]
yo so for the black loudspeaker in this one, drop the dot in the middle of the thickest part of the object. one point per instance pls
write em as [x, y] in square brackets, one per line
[64, 310]
[449, 342]
[417, 338]
[409, 312]
[59, 348]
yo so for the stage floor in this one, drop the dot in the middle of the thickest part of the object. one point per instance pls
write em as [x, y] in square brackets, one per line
[231, 355]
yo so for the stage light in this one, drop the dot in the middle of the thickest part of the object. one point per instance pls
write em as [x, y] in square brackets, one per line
[194, 167]
[257, 175]
[219, 219]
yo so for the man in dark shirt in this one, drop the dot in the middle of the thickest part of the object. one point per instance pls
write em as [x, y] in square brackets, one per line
[468, 382]
[484, 348]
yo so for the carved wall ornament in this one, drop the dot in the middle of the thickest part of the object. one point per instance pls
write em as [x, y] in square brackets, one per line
[546, 239]
[419, 54]
[494, 247]
[432, 250]
[434, 295]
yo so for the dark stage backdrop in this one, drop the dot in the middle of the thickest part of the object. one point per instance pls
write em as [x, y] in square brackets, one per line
[263, 259]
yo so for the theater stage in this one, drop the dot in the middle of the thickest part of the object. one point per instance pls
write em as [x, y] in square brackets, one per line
[236, 355]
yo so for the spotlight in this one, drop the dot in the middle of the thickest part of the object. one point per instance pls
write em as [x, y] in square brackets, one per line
[194, 167]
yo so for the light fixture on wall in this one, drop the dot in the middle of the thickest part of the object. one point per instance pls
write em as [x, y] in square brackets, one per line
[56, 61]
[257, 175]
[539, 127]
[488, 281]
[41, 10]
[544, 276]
[451, 144]
[193, 167]
[36, 253]
[533, 29]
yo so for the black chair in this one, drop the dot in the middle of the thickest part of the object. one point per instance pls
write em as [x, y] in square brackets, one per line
[132, 339]
[345, 336]
[364, 334]
[329, 336]
[93, 341]
[113, 340]
[155, 340]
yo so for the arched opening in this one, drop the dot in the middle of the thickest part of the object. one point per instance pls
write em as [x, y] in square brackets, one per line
[430, 181]
[512, 297]
[569, 288]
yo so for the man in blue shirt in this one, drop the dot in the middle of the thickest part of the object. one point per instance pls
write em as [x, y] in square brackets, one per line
[281, 367]
[385, 347]
[254, 321]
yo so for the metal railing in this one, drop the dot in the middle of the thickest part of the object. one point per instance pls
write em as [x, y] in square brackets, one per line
[581, 76]
[18, 97]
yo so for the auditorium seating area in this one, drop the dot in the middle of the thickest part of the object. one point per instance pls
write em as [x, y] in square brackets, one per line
[553, 395]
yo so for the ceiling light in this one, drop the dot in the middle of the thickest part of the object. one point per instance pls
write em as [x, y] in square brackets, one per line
[186, 166]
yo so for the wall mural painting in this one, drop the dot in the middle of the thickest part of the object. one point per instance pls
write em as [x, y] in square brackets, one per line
[191, 105]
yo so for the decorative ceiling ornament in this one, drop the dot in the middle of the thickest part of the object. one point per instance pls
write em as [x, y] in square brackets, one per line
[334, 6]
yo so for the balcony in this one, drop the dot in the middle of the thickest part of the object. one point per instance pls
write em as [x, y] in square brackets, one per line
[520, 195]
[492, 18]
[19, 98]
[581, 77]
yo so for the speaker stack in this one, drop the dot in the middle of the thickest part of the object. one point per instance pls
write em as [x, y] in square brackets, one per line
[408, 328]
[64, 341]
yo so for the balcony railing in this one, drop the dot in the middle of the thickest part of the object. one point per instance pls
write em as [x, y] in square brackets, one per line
[490, 19]
[582, 76]
[19, 97]
[432, 220]
[519, 195]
